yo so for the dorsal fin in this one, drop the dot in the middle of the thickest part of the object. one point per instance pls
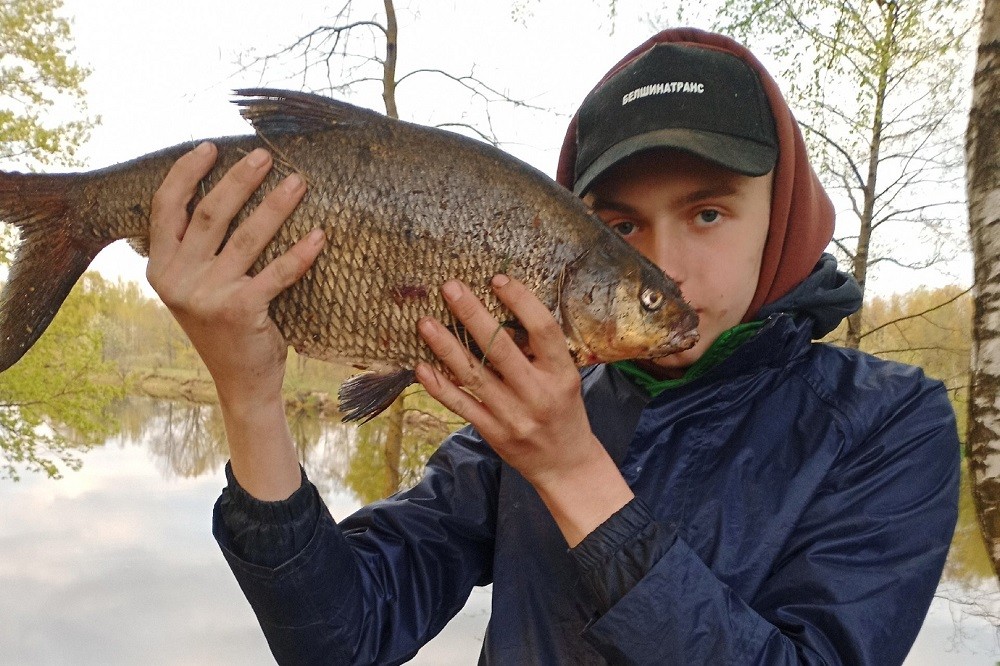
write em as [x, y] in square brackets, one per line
[272, 111]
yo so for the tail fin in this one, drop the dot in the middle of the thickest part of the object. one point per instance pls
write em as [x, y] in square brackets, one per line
[52, 255]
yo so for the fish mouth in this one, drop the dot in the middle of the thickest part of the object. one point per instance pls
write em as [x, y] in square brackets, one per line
[584, 342]
[677, 342]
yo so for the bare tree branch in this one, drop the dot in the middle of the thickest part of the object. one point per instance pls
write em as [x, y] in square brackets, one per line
[474, 85]
[833, 144]
[917, 314]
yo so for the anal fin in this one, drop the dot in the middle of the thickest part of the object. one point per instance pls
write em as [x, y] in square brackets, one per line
[365, 396]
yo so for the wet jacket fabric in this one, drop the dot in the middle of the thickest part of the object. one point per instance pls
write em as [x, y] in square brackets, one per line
[794, 505]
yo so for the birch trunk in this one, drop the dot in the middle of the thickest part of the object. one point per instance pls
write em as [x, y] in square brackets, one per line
[983, 183]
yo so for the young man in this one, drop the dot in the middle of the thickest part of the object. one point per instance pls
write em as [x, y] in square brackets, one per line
[758, 499]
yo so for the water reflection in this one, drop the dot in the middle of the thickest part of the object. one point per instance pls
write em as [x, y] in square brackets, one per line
[115, 563]
[188, 441]
[965, 616]
[967, 560]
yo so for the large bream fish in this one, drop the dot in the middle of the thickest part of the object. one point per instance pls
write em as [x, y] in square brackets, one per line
[404, 208]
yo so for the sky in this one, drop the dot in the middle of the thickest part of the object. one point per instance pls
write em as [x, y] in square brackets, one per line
[115, 564]
[164, 72]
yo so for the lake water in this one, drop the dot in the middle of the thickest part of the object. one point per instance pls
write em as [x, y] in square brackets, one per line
[115, 564]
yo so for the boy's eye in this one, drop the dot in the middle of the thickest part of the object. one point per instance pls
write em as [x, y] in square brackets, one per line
[708, 216]
[623, 227]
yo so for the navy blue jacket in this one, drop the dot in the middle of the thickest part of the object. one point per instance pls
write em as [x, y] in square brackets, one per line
[793, 505]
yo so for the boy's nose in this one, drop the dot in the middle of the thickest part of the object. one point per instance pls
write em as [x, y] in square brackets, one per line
[668, 253]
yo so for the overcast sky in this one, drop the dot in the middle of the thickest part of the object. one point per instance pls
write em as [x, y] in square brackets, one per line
[163, 72]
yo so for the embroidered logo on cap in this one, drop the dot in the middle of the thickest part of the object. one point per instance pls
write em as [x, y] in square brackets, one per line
[664, 88]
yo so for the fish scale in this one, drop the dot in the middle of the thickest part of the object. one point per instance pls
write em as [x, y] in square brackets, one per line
[404, 208]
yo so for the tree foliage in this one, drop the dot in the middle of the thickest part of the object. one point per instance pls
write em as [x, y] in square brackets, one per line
[878, 86]
[51, 407]
[36, 72]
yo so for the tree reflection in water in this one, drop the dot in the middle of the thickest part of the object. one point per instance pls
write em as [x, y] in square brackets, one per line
[968, 584]
[188, 440]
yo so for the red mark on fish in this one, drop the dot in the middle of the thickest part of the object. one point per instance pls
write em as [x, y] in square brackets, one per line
[402, 293]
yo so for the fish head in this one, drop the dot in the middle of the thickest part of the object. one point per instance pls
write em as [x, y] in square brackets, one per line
[616, 305]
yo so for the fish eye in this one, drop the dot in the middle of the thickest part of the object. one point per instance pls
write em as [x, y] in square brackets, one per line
[651, 299]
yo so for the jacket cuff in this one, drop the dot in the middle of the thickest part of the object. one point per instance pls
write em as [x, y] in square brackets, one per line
[617, 555]
[267, 534]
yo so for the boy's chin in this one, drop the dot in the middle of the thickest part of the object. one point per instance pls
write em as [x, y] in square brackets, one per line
[673, 366]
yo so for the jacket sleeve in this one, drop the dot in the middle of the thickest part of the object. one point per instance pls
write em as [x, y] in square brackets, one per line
[377, 586]
[267, 533]
[852, 587]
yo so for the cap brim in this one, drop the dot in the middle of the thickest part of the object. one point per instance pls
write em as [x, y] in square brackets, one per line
[740, 155]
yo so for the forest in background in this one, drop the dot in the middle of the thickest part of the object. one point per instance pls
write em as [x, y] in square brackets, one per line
[110, 339]
[136, 346]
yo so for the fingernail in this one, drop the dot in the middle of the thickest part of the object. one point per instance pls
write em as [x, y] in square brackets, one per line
[292, 183]
[257, 157]
[500, 280]
[451, 290]
[426, 325]
[424, 373]
[429, 329]
[203, 148]
[316, 236]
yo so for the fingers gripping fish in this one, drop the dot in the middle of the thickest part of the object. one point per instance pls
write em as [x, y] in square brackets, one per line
[404, 208]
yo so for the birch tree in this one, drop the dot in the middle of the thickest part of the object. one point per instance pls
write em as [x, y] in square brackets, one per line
[876, 86]
[983, 187]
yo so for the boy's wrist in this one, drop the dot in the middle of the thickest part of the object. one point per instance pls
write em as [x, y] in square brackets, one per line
[249, 388]
[581, 499]
[261, 449]
[249, 402]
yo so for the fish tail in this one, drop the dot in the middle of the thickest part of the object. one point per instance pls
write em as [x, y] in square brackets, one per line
[51, 256]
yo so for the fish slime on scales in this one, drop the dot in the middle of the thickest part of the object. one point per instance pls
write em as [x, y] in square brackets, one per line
[404, 208]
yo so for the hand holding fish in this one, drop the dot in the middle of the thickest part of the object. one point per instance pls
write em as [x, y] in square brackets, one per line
[223, 310]
[529, 409]
[402, 207]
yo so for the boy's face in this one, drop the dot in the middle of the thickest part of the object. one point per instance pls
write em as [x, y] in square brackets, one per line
[704, 225]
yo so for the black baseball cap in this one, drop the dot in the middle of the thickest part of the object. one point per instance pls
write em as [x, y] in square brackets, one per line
[687, 97]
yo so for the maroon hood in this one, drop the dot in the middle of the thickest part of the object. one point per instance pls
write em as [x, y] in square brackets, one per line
[802, 216]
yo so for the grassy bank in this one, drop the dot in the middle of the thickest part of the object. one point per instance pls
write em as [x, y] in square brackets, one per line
[197, 387]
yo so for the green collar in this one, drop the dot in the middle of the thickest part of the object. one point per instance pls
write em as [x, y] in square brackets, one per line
[722, 348]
